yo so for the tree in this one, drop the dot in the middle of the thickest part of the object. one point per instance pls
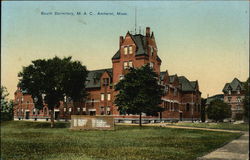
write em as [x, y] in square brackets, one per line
[203, 109]
[6, 106]
[218, 110]
[139, 92]
[246, 101]
[49, 81]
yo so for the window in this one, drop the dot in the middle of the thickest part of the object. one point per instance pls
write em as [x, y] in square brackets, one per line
[108, 97]
[102, 96]
[171, 106]
[64, 109]
[34, 111]
[175, 91]
[69, 109]
[151, 64]
[92, 102]
[105, 81]
[229, 99]
[78, 109]
[125, 50]
[102, 110]
[108, 110]
[130, 50]
[166, 89]
[187, 107]
[229, 92]
[238, 91]
[239, 99]
[125, 65]
[22, 99]
[151, 50]
[130, 64]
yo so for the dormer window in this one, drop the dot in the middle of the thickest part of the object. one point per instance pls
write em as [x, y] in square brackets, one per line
[229, 92]
[130, 50]
[125, 50]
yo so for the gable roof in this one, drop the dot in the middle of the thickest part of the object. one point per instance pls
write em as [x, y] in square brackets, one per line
[233, 85]
[141, 43]
[185, 84]
[93, 79]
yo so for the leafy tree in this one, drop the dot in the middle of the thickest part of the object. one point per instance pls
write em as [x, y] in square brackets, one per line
[203, 109]
[246, 100]
[6, 106]
[218, 110]
[50, 80]
[139, 92]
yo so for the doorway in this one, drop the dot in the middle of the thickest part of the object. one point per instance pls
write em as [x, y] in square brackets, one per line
[180, 116]
[27, 115]
[56, 115]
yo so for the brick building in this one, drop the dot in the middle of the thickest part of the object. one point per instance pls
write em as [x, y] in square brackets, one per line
[234, 93]
[182, 99]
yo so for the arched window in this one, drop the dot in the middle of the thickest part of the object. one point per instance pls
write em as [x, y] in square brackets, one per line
[187, 107]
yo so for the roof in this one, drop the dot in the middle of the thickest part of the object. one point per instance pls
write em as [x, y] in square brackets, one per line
[93, 79]
[233, 86]
[217, 96]
[185, 84]
[141, 43]
[193, 83]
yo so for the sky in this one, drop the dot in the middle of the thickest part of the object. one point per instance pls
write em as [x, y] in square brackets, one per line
[204, 41]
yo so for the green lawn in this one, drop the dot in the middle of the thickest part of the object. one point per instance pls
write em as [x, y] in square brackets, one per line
[227, 126]
[35, 141]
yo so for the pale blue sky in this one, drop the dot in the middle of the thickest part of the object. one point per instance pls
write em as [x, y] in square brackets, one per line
[205, 41]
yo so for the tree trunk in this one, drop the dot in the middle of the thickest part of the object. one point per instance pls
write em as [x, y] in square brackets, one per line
[52, 124]
[140, 120]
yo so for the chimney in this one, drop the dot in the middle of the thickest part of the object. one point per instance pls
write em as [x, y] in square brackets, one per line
[147, 31]
[121, 40]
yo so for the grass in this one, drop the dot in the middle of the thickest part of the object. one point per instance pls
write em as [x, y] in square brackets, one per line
[227, 126]
[35, 141]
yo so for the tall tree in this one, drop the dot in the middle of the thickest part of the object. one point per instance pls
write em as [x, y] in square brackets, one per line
[246, 101]
[48, 81]
[203, 109]
[218, 110]
[139, 92]
[6, 105]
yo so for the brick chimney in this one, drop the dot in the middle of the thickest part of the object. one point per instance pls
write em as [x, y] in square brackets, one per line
[121, 41]
[147, 31]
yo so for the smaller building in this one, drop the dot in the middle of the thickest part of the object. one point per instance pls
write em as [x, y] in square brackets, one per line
[234, 93]
[215, 97]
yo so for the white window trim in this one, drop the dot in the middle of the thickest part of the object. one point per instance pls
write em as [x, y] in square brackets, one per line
[102, 96]
[130, 50]
[125, 50]
[109, 96]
